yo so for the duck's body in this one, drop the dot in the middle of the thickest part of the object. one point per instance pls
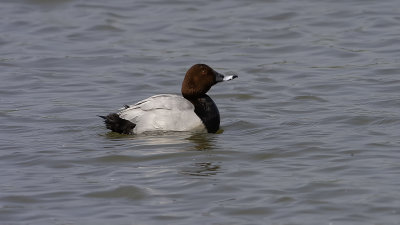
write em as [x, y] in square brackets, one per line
[195, 111]
[164, 112]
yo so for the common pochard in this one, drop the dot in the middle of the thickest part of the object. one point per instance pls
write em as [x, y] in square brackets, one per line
[195, 111]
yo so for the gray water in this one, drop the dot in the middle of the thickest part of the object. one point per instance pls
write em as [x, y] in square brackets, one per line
[309, 131]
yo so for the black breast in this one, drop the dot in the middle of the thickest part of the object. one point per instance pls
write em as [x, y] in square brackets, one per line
[207, 111]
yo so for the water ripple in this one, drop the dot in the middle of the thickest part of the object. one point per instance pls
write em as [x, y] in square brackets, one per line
[309, 131]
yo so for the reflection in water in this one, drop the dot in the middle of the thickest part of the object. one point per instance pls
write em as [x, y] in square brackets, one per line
[201, 169]
[202, 141]
[172, 142]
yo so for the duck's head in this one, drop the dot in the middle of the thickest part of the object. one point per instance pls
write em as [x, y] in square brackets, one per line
[199, 79]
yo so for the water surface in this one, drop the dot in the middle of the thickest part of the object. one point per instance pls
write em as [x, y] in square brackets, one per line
[309, 131]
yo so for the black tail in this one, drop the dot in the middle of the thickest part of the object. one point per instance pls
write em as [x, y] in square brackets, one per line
[117, 124]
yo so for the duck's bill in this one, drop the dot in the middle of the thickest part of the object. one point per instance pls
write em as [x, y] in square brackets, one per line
[230, 77]
[221, 77]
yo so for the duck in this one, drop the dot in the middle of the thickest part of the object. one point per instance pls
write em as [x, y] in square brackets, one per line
[193, 111]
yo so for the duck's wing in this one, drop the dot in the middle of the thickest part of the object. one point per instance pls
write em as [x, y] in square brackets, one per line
[164, 112]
